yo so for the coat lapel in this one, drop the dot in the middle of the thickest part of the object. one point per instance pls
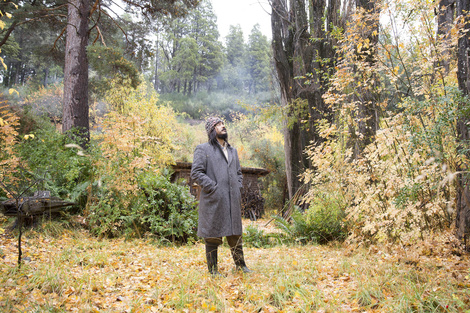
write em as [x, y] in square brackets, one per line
[229, 154]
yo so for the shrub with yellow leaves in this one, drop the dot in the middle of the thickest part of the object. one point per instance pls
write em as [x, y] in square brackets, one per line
[401, 187]
[137, 134]
[136, 145]
[9, 160]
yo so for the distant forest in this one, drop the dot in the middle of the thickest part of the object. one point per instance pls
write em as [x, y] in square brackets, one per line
[184, 59]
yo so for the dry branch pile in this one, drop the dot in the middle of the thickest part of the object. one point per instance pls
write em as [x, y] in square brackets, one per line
[252, 204]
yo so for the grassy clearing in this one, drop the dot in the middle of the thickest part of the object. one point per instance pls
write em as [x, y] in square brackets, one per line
[76, 272]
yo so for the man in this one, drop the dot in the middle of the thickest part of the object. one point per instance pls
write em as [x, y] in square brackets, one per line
[216, 169]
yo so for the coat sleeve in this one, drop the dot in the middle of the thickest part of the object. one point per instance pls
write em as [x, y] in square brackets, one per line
[199, 171]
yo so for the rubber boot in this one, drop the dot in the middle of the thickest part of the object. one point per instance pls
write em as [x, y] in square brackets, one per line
[211, 257]
[238, 258]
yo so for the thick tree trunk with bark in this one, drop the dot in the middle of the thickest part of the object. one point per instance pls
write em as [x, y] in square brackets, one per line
[300, 64]
[463, 73]
[283, 50]
[76, 108]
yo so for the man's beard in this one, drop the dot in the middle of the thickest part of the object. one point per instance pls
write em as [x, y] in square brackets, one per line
[223, 136]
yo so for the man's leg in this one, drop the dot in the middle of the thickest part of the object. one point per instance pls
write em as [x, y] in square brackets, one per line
[211, 253]
[236, 247]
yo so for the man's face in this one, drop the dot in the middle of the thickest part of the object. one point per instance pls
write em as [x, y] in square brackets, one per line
[221, 131]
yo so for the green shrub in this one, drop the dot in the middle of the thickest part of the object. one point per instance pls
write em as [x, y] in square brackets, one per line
[255, 237]
[65, 169]
[325, 218]
[295, 228]
[322, 222]
[159, 208]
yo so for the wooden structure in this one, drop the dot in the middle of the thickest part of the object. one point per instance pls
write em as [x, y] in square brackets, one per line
[252, 202]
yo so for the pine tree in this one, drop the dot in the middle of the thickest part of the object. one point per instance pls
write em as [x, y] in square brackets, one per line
[258, 61]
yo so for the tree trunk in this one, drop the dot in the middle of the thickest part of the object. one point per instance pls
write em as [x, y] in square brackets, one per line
[444, 25]
[75, 114]
[156, 84]
[366, 115]
[46, 76]
[17, 73]
[463, 192]
[282, 50]
[297, 55]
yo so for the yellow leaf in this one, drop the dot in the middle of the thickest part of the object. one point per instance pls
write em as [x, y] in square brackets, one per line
[2, 123]
[8, 14]
[359, 46]
[1, 230]
[11, 90]
[2, 24]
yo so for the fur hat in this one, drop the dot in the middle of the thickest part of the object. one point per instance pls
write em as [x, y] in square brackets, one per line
[211, 122]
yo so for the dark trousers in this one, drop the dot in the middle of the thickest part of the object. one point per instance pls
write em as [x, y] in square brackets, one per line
[217, 241]
[236, 248]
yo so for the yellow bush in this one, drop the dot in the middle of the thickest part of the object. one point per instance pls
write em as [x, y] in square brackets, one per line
[395, 191]
[9, 161]
[137, 134]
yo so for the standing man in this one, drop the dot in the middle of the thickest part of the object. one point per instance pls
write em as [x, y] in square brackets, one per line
[216, 169]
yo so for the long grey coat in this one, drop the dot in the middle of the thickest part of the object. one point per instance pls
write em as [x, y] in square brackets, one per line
[221, 182]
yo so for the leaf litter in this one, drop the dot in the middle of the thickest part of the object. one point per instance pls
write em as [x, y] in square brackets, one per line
[76, 272]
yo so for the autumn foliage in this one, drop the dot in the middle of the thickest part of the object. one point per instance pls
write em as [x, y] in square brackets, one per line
[399, 186]
[131, 193]
[9, 161]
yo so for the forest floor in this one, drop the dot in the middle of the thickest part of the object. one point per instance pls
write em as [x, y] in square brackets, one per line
[76, 272]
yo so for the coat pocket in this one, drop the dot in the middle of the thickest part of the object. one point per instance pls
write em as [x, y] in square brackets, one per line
[211, 191]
